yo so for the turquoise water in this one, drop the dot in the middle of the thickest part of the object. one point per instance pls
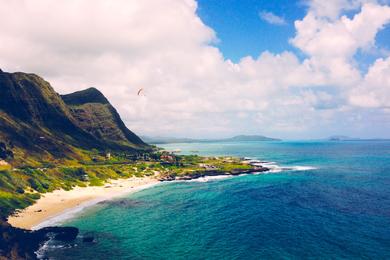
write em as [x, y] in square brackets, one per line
[340, 209]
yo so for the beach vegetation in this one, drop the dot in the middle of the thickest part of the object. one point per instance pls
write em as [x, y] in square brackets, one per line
[20, 186]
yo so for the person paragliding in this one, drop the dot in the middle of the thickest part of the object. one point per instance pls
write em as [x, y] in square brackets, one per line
[140, 92]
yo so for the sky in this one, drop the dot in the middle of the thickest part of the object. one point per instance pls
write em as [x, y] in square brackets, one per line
[289, 69]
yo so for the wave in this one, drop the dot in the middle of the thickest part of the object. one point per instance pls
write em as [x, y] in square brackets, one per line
[210, 178]
[304, 168]
[274, 167]
[40, 253]
[52, 245]
[49, 245]
[277, 168]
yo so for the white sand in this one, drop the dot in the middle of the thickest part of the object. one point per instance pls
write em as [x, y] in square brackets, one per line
[53, 206]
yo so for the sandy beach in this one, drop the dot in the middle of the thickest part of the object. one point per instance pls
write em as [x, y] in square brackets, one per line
[54, 204]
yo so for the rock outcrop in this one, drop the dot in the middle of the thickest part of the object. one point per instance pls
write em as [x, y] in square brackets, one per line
[16, 243]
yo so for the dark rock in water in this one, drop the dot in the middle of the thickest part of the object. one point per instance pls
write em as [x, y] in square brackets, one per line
[17, 243]
[125, 203]
[64, 234]
[88, 239]
[186, 178]
[168, 178]
[233, 172]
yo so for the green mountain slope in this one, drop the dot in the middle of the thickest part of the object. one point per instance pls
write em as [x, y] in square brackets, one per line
[98, 117]
[36, 122]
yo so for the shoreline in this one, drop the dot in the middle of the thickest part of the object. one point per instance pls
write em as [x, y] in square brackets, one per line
[56, 206]
[59, 205]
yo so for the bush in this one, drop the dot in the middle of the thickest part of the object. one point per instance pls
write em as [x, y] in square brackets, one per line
[20, 190]
[78, 173]
[36, 185]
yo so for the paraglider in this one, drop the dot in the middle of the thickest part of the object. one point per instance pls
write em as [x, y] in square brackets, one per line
[140, 91]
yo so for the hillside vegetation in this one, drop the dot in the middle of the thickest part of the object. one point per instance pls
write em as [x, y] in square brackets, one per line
[49, 141]
[37, 125]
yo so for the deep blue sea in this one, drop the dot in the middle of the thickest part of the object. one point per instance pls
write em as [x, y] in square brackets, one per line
[334, 204]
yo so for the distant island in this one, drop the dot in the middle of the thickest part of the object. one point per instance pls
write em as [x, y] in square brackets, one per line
[238, 138]
[341, 138]
[347, 138]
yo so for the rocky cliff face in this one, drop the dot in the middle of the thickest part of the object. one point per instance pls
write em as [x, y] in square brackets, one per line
[34, 119]
[98, 117]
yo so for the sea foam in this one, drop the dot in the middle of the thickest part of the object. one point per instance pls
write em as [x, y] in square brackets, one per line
[275, 168]
[210, 178]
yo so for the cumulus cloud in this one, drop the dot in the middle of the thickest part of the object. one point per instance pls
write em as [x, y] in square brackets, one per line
[272, 18]
[331, 9]
[374, 90]
[331, 45]
[191, 89]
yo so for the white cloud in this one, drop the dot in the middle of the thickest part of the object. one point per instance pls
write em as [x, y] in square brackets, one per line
[272, 18]
[331, 9]
[331, 46]
[341, 38]
[374, 90]
[190, 88]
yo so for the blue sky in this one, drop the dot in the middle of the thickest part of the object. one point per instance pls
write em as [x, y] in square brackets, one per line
[214, 68]
[241, 32]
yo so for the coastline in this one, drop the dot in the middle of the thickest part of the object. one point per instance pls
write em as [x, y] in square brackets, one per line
[53, 206]
[59, 205]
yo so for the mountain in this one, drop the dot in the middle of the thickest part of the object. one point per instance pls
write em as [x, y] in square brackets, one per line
[99, 118]
[341, 138]
[347, 138]
[238, 138]
[241, 138]
[36, 122]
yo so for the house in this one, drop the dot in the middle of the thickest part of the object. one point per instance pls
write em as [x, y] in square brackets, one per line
[167, 158]
[207, 167]
[3, 163]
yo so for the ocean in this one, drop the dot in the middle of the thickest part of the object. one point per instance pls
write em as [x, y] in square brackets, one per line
[322, 200]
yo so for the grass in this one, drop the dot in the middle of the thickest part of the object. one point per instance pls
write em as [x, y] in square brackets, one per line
[19, 187]
[9, 202]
